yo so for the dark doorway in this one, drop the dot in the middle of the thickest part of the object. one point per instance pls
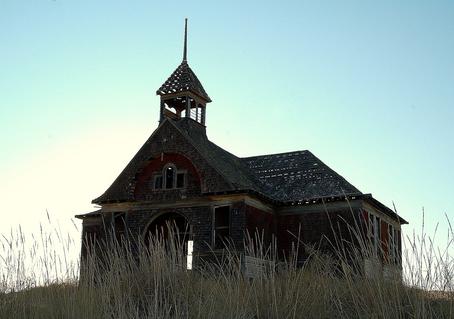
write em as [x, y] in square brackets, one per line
[171, 229]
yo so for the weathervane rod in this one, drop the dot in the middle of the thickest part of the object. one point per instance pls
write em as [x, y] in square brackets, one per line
[185, 50]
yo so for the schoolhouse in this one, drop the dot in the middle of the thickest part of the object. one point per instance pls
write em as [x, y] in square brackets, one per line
[214, 197]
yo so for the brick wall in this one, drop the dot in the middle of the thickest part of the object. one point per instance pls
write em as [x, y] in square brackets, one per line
[199, 219]
[261, 223]
[309, 228]
[167, 141]
[144, 189]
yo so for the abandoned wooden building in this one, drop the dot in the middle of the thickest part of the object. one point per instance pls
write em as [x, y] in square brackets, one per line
[215, 197]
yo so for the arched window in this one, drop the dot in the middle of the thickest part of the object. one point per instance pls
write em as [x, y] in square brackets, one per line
[170, 177]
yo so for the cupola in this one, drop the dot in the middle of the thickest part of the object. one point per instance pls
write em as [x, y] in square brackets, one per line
[182, 94]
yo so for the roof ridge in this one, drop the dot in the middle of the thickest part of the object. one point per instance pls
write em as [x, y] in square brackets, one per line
[250, 174]
[274, 154]
[99, 199]
[251, 179]
[191, 141]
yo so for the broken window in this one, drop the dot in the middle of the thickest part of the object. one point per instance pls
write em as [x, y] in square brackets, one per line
[377, 233]
[170, 177]
[157, 182]
[119, 224]
[374, 234]
[221, 226]
[392, 244]
[90, 239]
[180, 180]
[398, 246]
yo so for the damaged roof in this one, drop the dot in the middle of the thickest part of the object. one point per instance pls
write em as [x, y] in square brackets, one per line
[299, 175]
[183, 79]
[283, 177]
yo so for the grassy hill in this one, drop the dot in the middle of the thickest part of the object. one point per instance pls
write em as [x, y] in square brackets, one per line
[155, 284]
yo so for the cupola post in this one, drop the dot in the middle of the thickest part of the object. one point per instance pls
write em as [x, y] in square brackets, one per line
[203, 114]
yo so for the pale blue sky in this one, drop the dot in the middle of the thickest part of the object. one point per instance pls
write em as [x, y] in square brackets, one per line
[366, 86]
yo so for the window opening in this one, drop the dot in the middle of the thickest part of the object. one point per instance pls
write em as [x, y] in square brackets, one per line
[180, 180]
[377, 231]
[170, 172]
[169, 178]
[374, 226]
[120, 227]
[397, 247]
[158, 182]
[391, 244]
[221, 223]
[90, 237]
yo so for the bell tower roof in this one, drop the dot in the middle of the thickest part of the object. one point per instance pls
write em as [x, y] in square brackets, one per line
[183, 79]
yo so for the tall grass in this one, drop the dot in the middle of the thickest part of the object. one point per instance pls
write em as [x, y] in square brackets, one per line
[131, 280]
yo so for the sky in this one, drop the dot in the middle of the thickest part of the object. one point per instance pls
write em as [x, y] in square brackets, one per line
[367, 86]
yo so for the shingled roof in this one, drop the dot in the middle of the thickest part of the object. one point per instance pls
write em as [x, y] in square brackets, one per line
[183, 79]
[296, 176]
[227, 164]
[282, 177]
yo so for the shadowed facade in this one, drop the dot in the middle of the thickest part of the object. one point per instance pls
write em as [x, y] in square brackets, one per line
[180, 176]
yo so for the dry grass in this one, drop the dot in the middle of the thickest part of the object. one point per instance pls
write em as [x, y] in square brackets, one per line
[152, 282]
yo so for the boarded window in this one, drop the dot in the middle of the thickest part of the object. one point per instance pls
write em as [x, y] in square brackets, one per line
[221, 226]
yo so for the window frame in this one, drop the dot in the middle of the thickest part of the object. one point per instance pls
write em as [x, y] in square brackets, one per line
[163, 176]
[120, 226]
[391, 243]
[214, 245]
[374, 230]
[398, 243]
[155, 177]
[185, 174]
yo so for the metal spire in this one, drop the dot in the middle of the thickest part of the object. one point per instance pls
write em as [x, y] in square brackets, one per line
[185, 50]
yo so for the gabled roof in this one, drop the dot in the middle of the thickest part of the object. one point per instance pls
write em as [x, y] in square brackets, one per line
[282, 177]
[228, 167]
[183, 79]
[296, 176]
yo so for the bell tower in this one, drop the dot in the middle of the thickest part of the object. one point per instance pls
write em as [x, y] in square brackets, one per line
[182, 94]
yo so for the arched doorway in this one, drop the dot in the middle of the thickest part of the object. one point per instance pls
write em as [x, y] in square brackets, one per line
[170, 229]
